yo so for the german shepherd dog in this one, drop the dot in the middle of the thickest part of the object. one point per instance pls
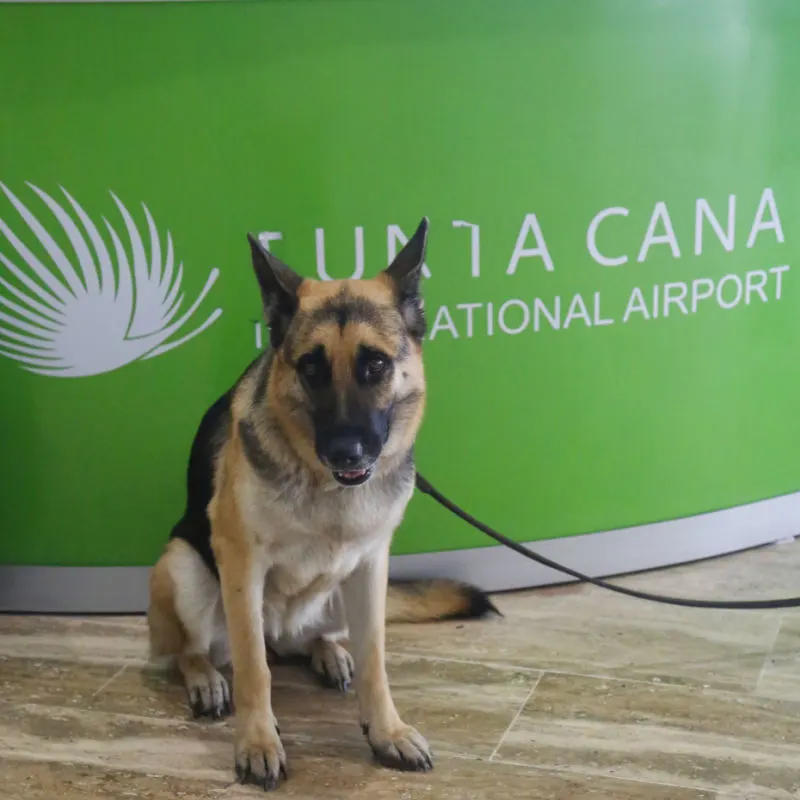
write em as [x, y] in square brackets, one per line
[297, 479]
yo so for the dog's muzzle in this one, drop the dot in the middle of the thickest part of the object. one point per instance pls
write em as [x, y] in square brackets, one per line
[348, 460]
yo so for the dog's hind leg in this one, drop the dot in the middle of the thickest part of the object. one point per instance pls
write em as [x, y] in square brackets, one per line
[186, 622]
[332, 663]
[322, 644]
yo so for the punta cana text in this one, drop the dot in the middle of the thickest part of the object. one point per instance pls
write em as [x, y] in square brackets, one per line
[611, 243]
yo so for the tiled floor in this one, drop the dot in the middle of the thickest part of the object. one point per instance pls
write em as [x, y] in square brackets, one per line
[576, 693]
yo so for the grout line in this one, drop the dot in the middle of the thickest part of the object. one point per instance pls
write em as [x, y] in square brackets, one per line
[516, 717]
[410, 654]
[108, 682]
[769, 653]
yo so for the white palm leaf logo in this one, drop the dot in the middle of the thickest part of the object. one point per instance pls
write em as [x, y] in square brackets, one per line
[59, 320]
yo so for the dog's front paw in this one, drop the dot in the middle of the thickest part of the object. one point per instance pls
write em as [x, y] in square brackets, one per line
[399, 747]
[260, 757]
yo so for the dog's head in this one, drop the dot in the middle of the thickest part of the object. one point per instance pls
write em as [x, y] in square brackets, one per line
[347, 379]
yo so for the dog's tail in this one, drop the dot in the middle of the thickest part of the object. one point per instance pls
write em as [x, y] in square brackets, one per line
[436, 599]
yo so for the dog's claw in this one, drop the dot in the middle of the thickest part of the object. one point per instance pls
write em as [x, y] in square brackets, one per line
[209, 695]
[333, 664]
[260, 757]
[405, 750]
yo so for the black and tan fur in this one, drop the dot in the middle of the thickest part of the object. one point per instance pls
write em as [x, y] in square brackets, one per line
[273, 551]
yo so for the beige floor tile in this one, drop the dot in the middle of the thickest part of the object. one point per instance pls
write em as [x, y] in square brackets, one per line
[55, 682]
[116, 641]
[461, 708]
[660, 734]
[318, 773]
[590, 631]
[32, 625]
[37, 780]
[780, 677]
[125, 742]
[674, 646]
[753, 794]
[758, 573]
[621, 714]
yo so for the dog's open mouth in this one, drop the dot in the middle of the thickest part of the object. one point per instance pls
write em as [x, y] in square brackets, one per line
[353, 477]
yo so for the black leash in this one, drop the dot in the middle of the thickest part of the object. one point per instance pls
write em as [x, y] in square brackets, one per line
[741, 605]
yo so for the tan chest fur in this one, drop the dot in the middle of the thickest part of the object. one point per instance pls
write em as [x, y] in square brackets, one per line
[310, 542]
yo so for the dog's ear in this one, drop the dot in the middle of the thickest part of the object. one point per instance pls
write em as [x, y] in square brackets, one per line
[405, 273]
[279, 284]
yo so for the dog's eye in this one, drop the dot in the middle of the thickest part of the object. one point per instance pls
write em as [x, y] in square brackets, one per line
[372, 365]
[375, 366]
[314, 368]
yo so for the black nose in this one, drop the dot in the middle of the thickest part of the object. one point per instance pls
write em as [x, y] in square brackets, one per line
[345, 452]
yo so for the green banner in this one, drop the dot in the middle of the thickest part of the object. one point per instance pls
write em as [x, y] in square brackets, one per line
[613, 194]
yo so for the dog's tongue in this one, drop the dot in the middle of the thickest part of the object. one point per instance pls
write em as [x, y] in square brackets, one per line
[357, 473]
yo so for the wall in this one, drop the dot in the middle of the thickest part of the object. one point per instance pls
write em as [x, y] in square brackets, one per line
[612, 188]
